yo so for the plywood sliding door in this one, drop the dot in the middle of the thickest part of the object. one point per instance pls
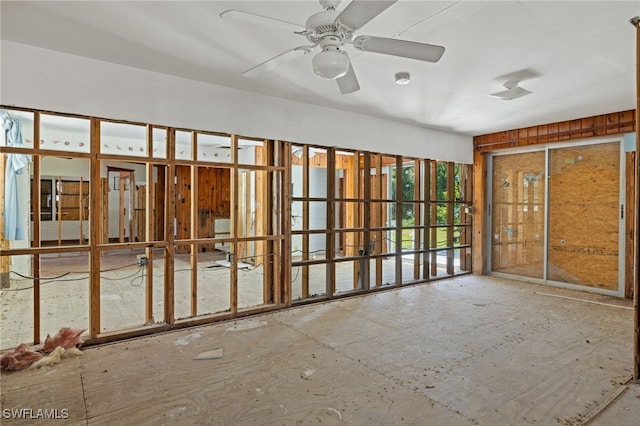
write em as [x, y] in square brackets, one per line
[584, 213]
[517, 225]
[556, 215]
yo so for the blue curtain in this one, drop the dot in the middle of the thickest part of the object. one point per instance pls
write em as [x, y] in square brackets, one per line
[15, 165]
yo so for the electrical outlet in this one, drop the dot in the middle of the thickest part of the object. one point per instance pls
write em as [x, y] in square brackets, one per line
[4, 280]
[142, 260]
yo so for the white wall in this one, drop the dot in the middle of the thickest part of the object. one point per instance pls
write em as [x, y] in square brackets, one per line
[44, 79]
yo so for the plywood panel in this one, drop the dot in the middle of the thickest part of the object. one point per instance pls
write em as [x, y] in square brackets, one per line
[160, 199]
[214, 186]
[183, 205]
[74, 200]
[583, 215]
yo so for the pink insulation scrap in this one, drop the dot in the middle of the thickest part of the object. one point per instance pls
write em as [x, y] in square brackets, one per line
[64, 343]
[66, 337]
[19, 358]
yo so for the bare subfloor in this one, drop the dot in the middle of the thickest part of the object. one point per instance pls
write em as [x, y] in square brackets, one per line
[469, 350]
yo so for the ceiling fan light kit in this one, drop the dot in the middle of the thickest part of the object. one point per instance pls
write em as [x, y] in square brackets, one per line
[330, 30]
[331, 63]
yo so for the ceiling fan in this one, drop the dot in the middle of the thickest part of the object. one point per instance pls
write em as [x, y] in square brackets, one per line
[330, 30]
[513, 91]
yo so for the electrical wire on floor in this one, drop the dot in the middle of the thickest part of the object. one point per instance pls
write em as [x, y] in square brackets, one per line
[59, 278]
[141, 277]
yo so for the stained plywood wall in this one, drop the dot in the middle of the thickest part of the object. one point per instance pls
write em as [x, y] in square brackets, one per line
[213, 201]
[584, 209]
[582, 128]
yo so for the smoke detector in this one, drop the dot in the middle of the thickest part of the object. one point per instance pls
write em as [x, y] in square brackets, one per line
[403, 78]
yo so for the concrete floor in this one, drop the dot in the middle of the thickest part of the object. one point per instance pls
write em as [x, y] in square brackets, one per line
[464, 351]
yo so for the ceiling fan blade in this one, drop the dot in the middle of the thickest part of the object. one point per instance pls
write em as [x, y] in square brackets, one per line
[252, 18]
[513, 93]
[359, 12]
[403, 48]
[272, 63]
[348, 83]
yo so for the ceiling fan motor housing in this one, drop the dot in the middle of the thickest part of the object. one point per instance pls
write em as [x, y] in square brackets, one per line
[322, 24]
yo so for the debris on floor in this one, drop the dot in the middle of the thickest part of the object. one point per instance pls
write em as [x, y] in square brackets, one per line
[184, 341]
[307, 373]
[66, 337]
[214, 354]
[246, 325]
[19, 358]
[335, 411]
[63, 344]
[53, 358]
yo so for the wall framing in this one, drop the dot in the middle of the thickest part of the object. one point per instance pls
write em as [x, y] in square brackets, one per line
[359, 206]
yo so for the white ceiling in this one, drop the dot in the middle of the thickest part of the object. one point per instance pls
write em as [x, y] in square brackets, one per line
[579, 55]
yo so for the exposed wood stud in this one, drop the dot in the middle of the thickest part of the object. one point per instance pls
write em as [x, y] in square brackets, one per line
[398, 220]
[426, 220]
[285, 199]
[194, 233]
[148, 230]
[380, 216]
[450, 216]
[479, 212]
[331, 214]
[636, 284]
[35, 192]
[358, 216]
[169, 230]
[305, 221]
[434, 218]
[417, 212]
[96, 210]
[364, 269]
[235, 219]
